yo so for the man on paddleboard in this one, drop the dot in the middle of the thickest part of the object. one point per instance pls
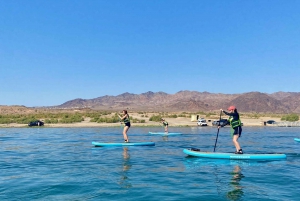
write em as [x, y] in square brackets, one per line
[236, 127]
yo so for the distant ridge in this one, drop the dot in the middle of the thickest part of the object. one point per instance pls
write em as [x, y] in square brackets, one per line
[192, 101]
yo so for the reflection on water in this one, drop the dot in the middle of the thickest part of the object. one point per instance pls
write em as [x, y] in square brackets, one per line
[124, 182]
[195, 163]
[237, 191]
[229, 187]
[217, 168]
[165, 138]
[61, 164]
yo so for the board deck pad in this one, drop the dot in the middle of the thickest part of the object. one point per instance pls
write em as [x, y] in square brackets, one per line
[107, 144]
[164, 133]
[218, 155]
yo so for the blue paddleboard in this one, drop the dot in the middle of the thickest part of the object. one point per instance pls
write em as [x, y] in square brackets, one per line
[297, 139]
[109, 144]
[217, 155]
[164, 133]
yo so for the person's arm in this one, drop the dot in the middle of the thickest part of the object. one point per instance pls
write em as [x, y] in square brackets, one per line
[122, 118]
[235, 115]
[228, 113]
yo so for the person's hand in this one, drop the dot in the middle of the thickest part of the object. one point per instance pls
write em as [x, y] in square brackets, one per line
[221, 110]
[219, 127]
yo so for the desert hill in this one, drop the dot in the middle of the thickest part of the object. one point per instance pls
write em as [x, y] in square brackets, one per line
[192, 101]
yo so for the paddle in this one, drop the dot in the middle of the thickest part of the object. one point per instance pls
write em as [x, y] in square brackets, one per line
[218, 131]
[120, 120]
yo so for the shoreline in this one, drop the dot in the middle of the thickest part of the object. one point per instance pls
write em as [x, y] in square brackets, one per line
[172, 123]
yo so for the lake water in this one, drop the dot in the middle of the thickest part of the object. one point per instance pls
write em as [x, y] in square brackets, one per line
[61, 164]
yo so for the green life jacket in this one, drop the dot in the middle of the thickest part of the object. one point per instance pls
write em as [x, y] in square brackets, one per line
[234, 123]
[127, 119]
[165, 123]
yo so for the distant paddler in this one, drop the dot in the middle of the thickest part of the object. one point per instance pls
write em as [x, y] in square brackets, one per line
[125, 118]
[165, 124]
[236, 127]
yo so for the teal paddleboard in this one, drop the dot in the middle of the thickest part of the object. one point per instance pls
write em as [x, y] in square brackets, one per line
[216, 155]
[297, 139]
[164, 133]
[109, 144]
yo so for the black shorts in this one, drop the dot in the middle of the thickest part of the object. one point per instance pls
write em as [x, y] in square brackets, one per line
[127, 124]
[237, 131]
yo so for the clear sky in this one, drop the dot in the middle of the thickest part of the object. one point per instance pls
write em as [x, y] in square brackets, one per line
[55, 51]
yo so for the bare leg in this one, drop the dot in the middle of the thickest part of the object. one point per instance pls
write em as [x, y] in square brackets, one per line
[125, 133]
[235, 142]
[166, 129]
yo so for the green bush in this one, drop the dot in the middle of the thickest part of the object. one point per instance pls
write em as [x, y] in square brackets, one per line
[172, 116]
[290, 117]
[19, 119]
[155, 118]
[93, 115]
[51, 121]
[138, 120]
[113, 119]
[95, 119]
[71, 118]
[5, 121]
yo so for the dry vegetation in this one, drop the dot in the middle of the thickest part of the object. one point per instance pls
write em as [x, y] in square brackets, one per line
[20, 116]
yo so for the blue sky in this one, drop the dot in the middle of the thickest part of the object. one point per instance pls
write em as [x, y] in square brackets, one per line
[55, 51]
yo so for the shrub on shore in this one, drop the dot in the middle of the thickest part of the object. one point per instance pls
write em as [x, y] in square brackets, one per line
[71, 118]
[290, 117]
[155, 118]
[19, 119]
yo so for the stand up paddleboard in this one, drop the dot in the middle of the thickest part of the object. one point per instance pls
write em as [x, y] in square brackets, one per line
[297, 139]
[164, 133]
[108, 144]
[216, 155]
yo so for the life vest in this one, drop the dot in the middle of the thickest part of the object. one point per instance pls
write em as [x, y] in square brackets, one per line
[165, 123]
[234, 123]
[127, 119]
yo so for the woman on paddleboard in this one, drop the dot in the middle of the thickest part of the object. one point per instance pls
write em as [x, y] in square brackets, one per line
[125, 118]
[165, 124]
[236, 127]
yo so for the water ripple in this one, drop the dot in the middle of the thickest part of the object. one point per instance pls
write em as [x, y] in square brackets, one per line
[61, 164]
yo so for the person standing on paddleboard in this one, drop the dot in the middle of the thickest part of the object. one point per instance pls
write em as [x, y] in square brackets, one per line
[125, 118]
[236, 127]
[165, 124]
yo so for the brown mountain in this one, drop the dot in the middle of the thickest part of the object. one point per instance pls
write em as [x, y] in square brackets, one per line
[192, 101]
[293, 102]
[258, 102]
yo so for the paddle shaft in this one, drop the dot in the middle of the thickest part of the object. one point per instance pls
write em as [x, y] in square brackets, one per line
[218, 132]
[120, 121]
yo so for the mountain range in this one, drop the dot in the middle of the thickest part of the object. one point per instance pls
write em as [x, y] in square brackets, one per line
[192, 101]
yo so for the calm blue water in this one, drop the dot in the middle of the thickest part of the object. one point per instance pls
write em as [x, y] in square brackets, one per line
[61, 164]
